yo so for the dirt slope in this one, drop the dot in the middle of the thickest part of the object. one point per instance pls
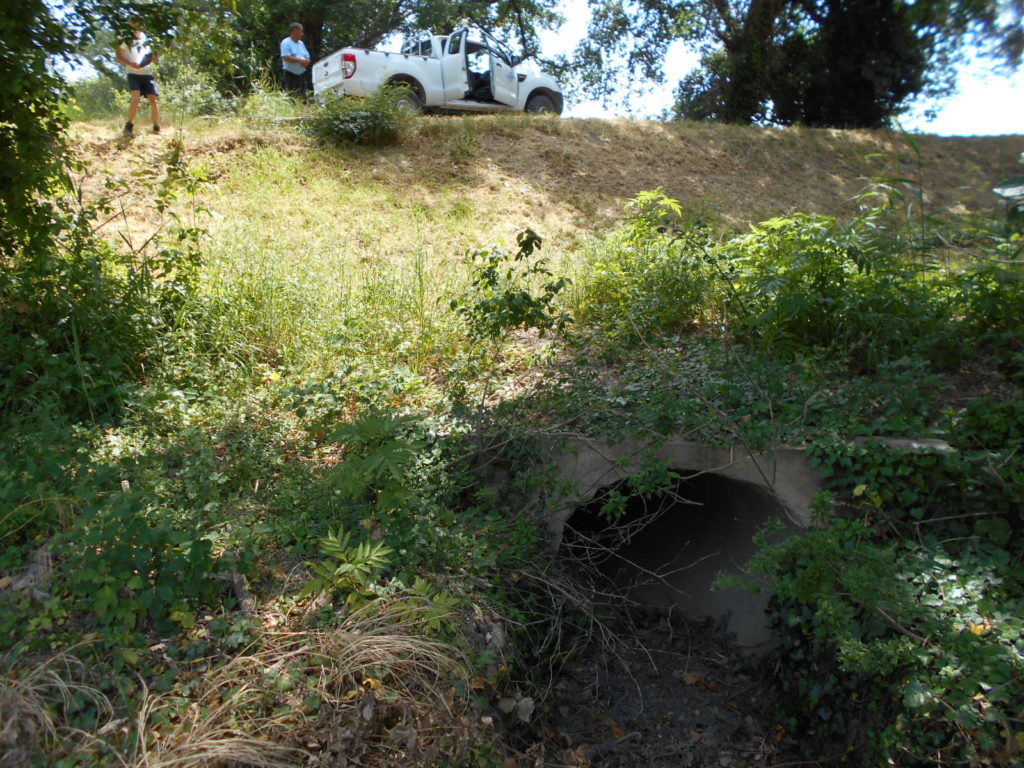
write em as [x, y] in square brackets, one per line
[564, 177]
[749, 173]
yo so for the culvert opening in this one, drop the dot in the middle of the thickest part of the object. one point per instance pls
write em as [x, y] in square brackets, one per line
[667, 550]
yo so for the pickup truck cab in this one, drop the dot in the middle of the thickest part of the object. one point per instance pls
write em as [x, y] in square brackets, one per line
[466, 71]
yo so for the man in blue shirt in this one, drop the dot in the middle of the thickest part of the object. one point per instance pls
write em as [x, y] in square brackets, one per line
[295, 58]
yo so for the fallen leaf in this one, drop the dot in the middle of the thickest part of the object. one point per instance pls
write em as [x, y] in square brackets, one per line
[6, 581]
[576, 758]
[980, 629]
[692, 679]
[477, 684]
[524, 709]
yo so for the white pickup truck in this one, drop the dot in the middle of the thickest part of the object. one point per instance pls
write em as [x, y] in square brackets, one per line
[466, 71]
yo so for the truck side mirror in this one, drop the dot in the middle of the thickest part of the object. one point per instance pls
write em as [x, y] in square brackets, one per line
[516, 60]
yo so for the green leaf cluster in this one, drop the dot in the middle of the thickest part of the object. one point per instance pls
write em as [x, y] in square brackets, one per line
[352, 568]
[501, 297]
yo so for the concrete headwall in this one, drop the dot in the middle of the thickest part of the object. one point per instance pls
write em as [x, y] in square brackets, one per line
[584, 466]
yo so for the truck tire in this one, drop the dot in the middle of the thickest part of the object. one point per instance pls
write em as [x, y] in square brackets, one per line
[540, 103]
[411, 101]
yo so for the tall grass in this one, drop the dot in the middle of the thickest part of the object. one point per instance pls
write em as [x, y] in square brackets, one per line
[307, 267]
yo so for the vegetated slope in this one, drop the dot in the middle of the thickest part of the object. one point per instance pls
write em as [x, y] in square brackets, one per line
[561, 176]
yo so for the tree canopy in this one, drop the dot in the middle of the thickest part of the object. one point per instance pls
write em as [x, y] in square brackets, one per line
[848, 63]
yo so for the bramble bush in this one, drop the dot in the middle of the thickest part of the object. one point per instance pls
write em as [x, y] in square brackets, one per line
[501, 296]
[925, 664]
[377, 120]
[797, 283]
[919, 667]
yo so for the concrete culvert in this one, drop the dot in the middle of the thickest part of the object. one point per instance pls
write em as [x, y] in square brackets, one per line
[666, 551]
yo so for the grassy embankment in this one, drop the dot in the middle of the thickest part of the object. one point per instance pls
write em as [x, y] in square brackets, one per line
[311, 382]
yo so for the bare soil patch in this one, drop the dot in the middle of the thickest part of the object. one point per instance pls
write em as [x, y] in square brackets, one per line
[679, 695]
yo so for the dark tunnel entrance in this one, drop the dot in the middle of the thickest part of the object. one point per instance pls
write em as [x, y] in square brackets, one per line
[667, 550]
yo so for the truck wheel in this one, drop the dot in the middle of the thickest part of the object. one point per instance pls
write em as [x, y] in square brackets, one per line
[411, 101]
[540, 103]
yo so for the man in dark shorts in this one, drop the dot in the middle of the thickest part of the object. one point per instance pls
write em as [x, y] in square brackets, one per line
[295, 59]
[138, 59]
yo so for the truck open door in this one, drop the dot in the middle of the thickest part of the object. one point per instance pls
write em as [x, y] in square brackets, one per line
[504, 80]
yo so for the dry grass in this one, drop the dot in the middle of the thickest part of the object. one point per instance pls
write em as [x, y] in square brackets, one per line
[213, 731]
[375, 690]
[33, 700]
[387, 691]
[458, 183]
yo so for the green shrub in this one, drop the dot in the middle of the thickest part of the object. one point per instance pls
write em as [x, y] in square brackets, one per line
[99, 97]
[648, 276]
[76, 322]
[186, 91]
[501, 298]
[376, 121]
[805, 281]
[990, 300]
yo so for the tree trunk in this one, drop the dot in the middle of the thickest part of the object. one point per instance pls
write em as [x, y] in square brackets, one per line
[750, 51]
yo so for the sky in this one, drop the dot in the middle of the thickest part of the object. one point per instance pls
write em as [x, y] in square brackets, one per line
[985, 104]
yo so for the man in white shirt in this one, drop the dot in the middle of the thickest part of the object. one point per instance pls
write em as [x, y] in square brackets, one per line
[138, 59]
[295, 58]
